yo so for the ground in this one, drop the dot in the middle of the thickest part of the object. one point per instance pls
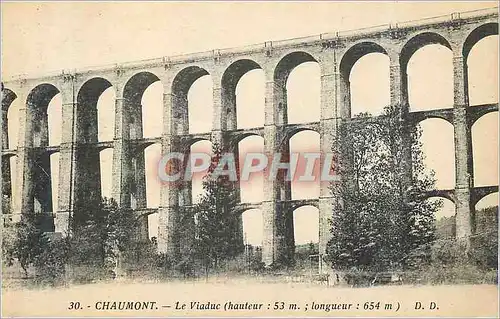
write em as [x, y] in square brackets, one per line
[254, 296]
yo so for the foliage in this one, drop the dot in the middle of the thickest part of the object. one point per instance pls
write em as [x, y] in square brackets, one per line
[100, 232]
[51, 263]
[26, 242]
[484, 244]
[217, 224]
[381, 221]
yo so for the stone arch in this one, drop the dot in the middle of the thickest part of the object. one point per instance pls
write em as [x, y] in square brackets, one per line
[419, 41]
[281, 76]
[37, 104]
[237, 138]
[476, 35]
[88, 157]
[356, 52]
[229, 83]
[289, 133]
[350, 60]
[486, 215]
[8, 96]
[133, 93]
[444, 217]
[408, 51]
[484, 134]
[181, 85]
[480, 73]
[87, 117]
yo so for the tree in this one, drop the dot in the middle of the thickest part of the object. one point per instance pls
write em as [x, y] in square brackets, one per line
[100, 231]
[217, 223]
[27, 242]
[382, 219]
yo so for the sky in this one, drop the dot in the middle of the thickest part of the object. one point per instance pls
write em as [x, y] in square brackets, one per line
[47, 36]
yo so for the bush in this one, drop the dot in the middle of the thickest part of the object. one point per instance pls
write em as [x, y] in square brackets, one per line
[460, 273]
[50, 265]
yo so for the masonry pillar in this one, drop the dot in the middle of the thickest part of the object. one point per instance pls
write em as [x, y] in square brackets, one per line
[23, 201]
[121, 154]
[5, 125]
[463, 153]
[169, 193]
[6, 171]
[274, 242]
[399, 97]
[328, 130]
[137, 168]
[67, 165]
[224, 118]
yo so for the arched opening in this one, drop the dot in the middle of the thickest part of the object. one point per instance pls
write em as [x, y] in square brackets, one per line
[370, 85]
[482, 71]
[106, 170]
[303, 89]
[253, 232]
[95, 111]
[485, 239]
[152, 155]
[42, 188]
[192, 104]
[427, 66]
[152, 110]
[251, 190]
[250, 99]
[490, 200]
[11, 126]
[54, 116]
[444, 218]
[10, 120]
[193, 189]
[480, 53]
[106, 115]
[306, 236]
[94, 122]
[253, 227]
[485, 150]
[487, 215]
[38, 102]
[243, 95]
[438, 150]
[306, 182]
[54, 176]
[200, 105]
[297, 85]
[8, 182]
[153, 227]
[364, 71]
[143, 99]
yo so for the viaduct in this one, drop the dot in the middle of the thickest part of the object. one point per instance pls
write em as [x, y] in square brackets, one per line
[336, 53]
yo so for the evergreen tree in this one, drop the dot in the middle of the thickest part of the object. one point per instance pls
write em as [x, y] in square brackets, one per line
[217, 224]
[382, 220]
